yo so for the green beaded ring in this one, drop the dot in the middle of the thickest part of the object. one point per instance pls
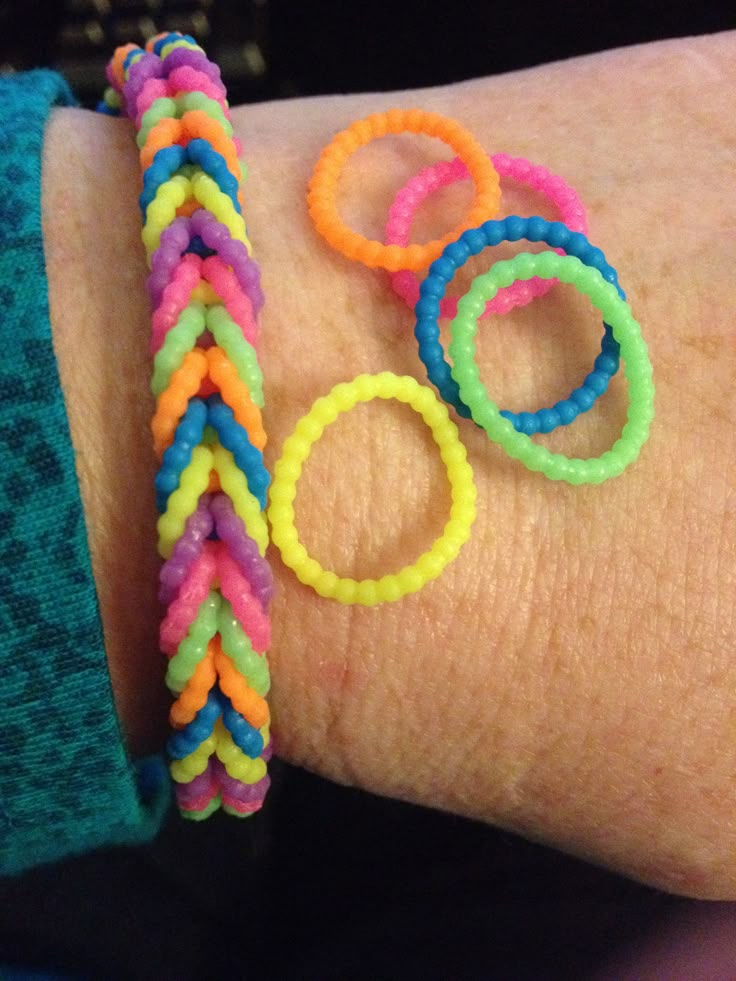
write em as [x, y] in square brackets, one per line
[626, 330]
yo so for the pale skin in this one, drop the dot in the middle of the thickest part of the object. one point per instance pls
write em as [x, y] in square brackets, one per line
[571, 675]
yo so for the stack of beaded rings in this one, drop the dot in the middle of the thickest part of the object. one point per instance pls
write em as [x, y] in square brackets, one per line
[506, 285]
[459, 384]
[208, 435]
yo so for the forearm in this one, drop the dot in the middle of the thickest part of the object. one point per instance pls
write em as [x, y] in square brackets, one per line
[571, 674]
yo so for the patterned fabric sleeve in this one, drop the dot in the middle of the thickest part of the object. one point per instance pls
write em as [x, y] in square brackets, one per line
[66, 784]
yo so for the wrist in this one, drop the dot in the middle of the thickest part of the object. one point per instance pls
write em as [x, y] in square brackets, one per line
[99, 314]
[571, 674]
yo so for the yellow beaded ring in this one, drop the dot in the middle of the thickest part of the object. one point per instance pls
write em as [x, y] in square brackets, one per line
[297, 448]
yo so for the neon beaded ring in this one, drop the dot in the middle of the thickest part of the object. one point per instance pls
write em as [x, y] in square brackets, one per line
[432, 290]
[322, 193]
[565, 199]
[296, 449]
[626, 330]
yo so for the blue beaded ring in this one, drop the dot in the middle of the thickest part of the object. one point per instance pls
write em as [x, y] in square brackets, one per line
[441, 272]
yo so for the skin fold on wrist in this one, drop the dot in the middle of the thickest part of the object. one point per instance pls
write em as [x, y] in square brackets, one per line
[570, 676]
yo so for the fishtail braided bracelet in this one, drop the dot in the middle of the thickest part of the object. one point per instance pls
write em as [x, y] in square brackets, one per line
[208, 434]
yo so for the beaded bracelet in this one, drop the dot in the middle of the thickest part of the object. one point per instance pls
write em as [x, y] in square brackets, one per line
[627, 332]
[296, 449]
[555, 189]
[208, 434]
[432, 290]
[322, 192]
[510, 429]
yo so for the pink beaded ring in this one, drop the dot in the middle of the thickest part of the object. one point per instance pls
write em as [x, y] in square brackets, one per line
[565, 199]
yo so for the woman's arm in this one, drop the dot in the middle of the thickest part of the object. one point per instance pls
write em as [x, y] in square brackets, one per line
[572, 675]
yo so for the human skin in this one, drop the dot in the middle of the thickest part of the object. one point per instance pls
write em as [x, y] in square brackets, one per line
[571, 675]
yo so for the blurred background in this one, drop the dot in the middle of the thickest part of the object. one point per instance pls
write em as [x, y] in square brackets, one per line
[331, 883]
[279, 48]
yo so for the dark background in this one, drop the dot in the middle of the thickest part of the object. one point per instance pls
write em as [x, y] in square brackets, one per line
[276, 48]
[329, 882]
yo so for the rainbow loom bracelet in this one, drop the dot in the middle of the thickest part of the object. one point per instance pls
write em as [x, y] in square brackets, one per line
[211, 483]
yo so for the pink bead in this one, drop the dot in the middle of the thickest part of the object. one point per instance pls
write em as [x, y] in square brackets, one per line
[565, 199]
[175, 297]
[188, 79]
[186, 803]
[236, 588]
[225, 283]
[153, 88]
[192, 593]
[234, 804]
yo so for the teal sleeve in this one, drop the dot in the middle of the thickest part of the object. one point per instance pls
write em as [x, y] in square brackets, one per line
[66, 783]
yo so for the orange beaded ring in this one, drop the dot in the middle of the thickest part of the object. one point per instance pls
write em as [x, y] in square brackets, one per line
[322, 196]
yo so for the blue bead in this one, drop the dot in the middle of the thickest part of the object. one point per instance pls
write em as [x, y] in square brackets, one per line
[494, 232]
[235, 438]
[609, 342]
[443, 268]
[582, 398]
[186, 740]
[178, 455]
[526, 422]
[536, 228]
[596, 259]
[548, 420]
[129, 57]
[597, 382]
[475, 240]
[168, 38]
[432, 286]
[576, 245]
[457, 252]
[427, 306]
[423, 330]
[567, 411]
[245, 736]
[168, 160]
[515, 228]
[558, 237]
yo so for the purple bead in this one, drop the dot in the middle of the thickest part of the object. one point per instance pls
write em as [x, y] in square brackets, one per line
[174, 571]
[206, 783]
[202, 783]
[148, 66]
[246, 793]
[243, 549]
[217, 236]
[174, 241]
[195, 59]
[176, 238]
